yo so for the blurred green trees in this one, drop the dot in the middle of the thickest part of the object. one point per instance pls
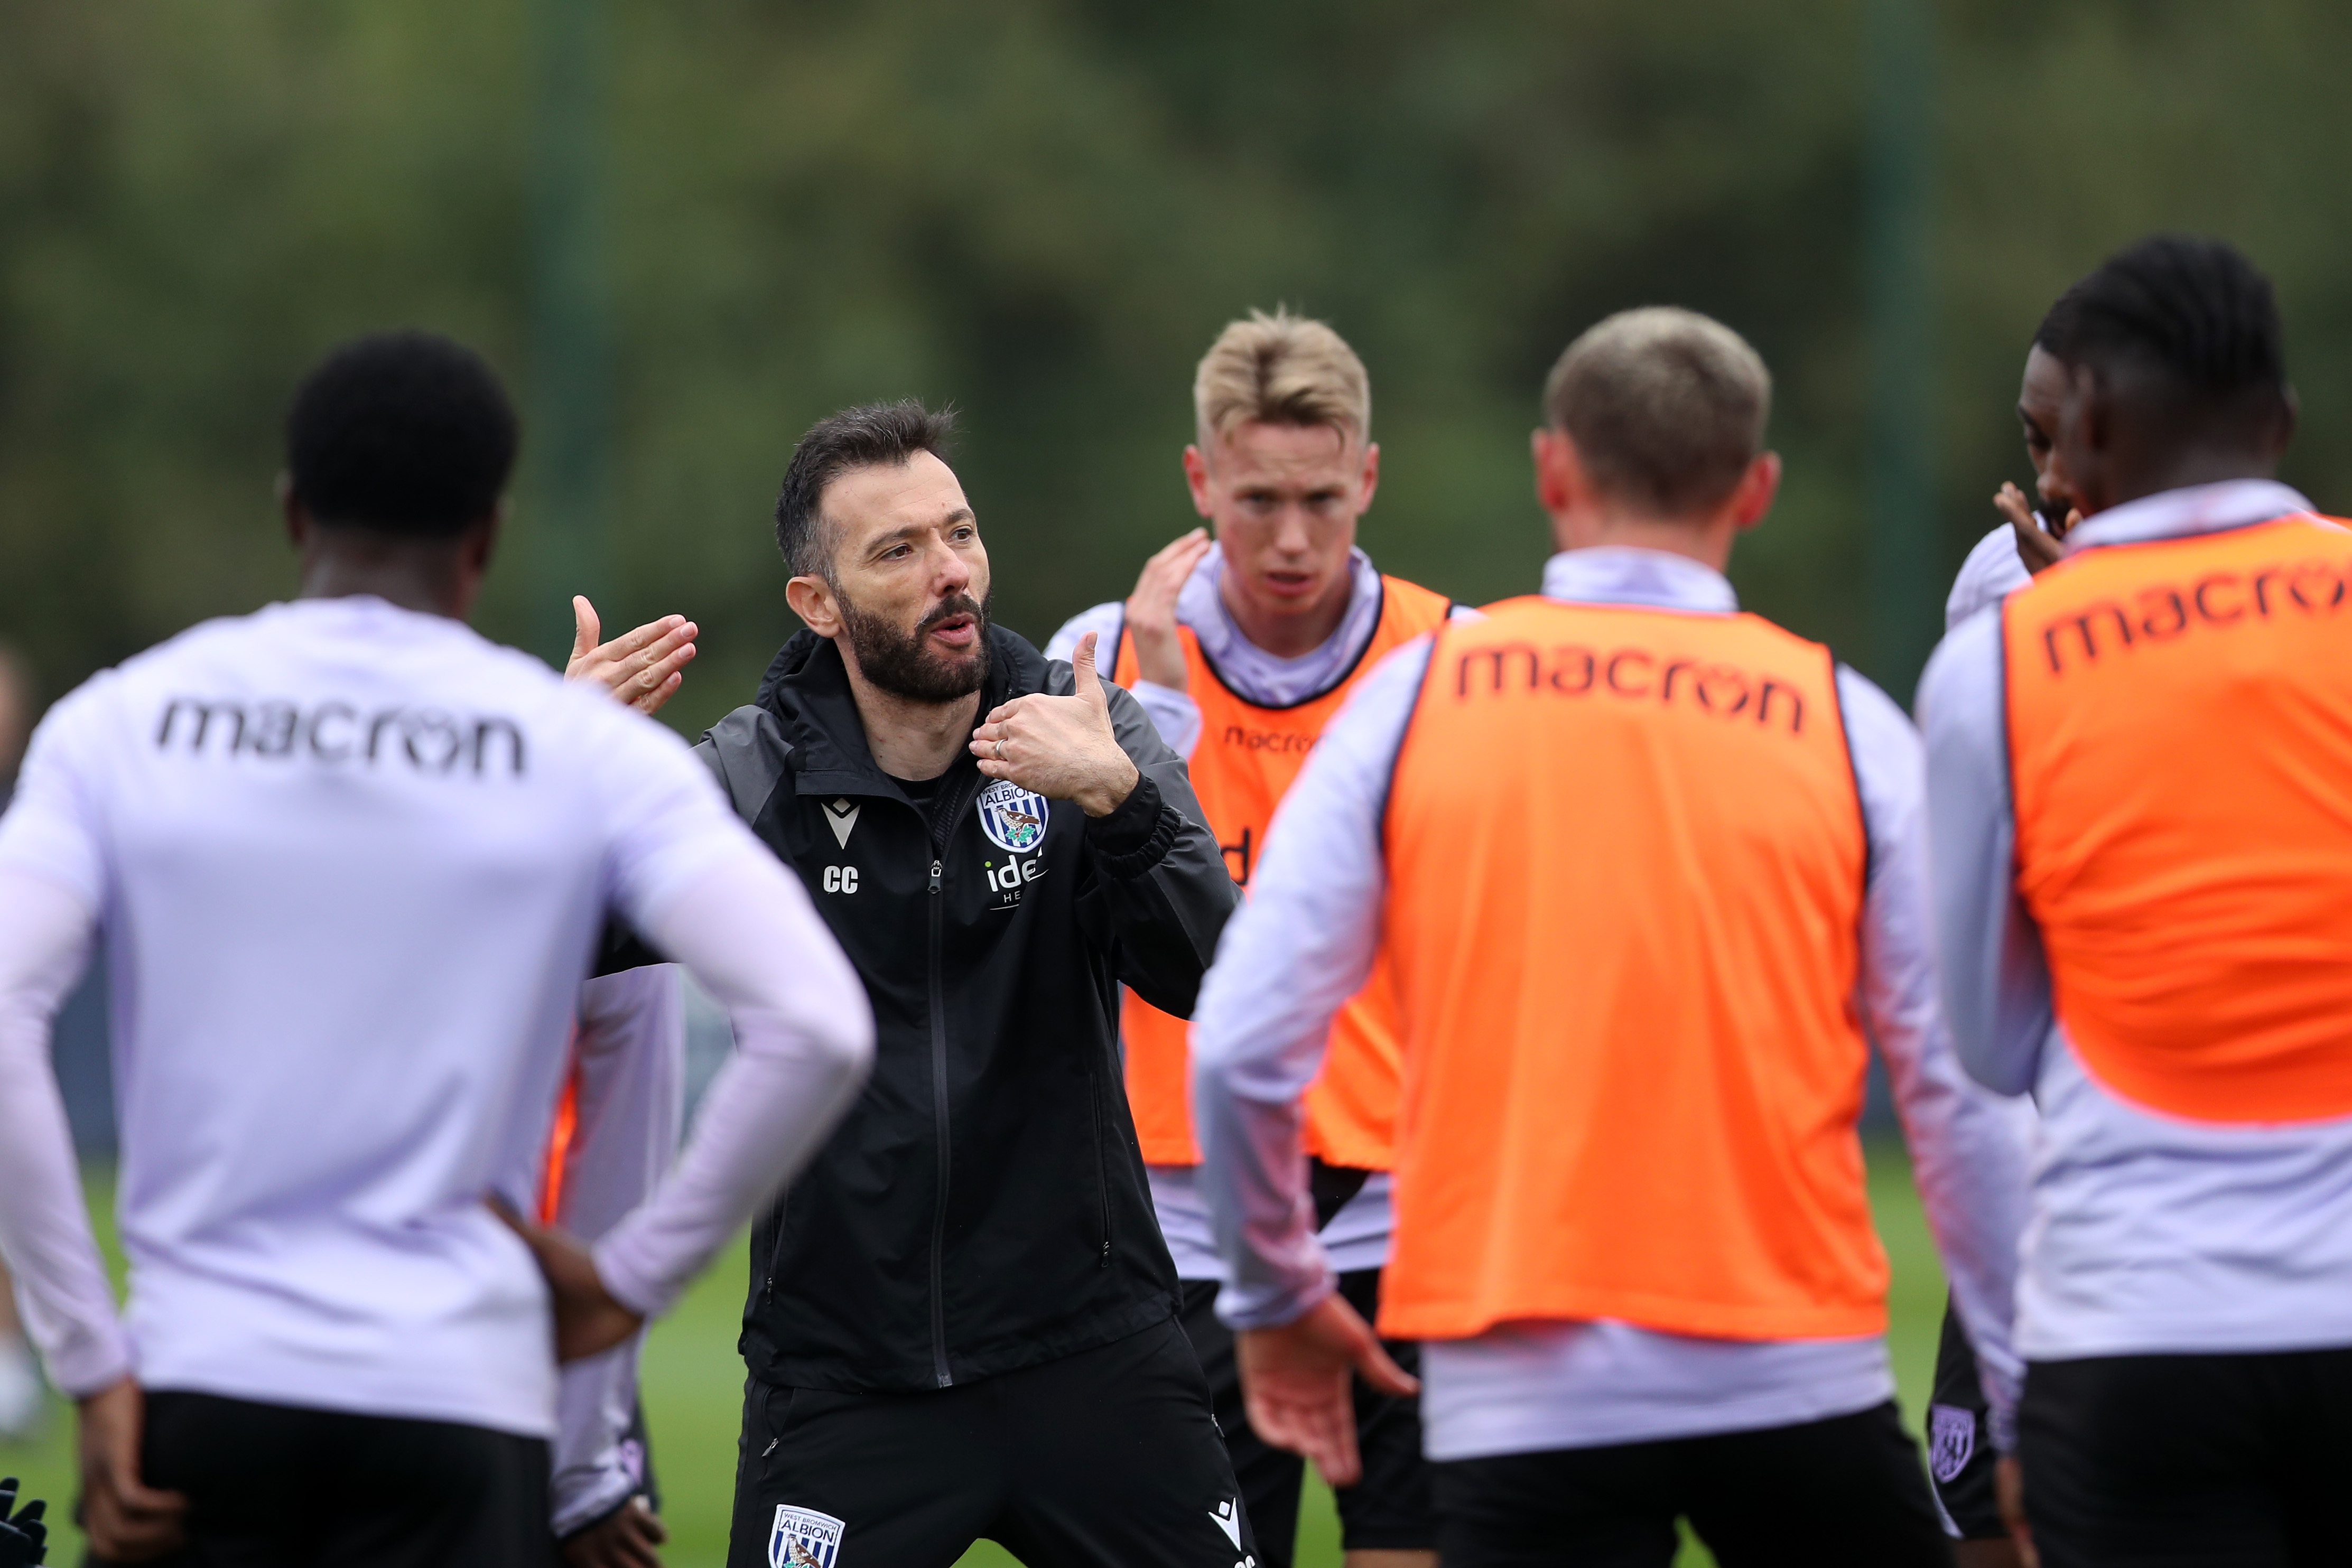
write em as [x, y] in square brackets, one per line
[1042, 210]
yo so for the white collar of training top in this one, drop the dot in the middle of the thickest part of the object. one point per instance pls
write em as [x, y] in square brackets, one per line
[1624, 574]
[2191, 509]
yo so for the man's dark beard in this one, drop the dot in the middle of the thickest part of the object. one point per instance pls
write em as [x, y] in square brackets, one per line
[902, 663]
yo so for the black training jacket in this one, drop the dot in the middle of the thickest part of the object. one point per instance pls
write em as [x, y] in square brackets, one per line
[984, 1206]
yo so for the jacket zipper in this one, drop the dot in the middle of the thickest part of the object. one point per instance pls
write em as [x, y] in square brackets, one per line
[775, 1245]
[1102, 1164]
[939, 1120]
[958, 798]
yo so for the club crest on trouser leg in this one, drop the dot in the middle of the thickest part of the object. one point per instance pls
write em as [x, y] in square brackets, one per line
[1012, 817]
[1951, 1440]
[804, 1538]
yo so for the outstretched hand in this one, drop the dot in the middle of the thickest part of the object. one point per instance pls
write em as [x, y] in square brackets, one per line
[23, 1538]
[1061, 747]
[126, 1521]
[644, 668]
[1294, 1384]
[588, 1321]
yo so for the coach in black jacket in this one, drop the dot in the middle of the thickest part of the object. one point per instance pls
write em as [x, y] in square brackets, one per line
[962, 1318]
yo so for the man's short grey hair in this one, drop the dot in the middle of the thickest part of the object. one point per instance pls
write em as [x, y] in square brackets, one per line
[1666, 407]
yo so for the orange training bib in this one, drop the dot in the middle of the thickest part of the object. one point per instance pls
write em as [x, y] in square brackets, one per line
[1627, 863]
[1246, 758]
[2180, 757]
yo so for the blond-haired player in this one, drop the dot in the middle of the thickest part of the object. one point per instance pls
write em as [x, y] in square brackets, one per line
[1242, 640]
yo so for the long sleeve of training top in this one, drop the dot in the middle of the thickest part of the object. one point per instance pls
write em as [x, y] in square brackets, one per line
[629, 1055]
[1306, 938]
[1996, 981]
[61, 1286]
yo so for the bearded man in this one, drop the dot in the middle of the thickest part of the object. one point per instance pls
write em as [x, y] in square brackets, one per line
[962, 1319]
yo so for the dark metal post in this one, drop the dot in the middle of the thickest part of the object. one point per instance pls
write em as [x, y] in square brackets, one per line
[570, 435]
[1898, 229]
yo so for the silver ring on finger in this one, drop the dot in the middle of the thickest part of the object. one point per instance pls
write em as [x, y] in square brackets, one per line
[1000, 749]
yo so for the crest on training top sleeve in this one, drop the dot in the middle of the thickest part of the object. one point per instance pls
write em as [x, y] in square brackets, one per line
[1013, 818]
[804, 1538]
[1951, 1440]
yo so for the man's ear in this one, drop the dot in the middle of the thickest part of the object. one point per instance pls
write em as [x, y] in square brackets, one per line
[297, 515]
[2084, 439]
[1196, 478]
[1757, 486]
[2290, 416]
[812, 600]
[482, 545]
[1560, 476]
[1371, 471]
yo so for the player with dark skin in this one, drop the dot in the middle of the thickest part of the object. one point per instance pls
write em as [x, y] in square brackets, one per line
[2039, 399]
[2117, 433]
[127, 1520]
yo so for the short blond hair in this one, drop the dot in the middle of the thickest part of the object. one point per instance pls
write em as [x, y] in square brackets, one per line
[1666, 407]
[1281, 369]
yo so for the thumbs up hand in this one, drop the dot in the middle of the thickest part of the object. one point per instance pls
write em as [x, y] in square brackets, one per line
[1061, 747]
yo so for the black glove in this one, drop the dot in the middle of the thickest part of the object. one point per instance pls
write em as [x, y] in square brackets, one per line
[24, 1538]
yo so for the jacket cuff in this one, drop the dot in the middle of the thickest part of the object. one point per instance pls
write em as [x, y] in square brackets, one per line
[1138, 833]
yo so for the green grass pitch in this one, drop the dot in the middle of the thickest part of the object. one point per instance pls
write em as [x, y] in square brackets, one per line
[693, 1388]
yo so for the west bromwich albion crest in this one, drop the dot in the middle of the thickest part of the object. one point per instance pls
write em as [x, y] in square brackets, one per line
[1951, 1440]
[1013, 818]
[804, 1538]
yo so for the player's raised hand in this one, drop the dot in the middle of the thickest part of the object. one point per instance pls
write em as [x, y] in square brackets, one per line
[1061, 747]
[644, 668]
[1151, 609]
[23, 1538]
[2038, 547]
[588, 1321]
[126, 1520]
[1295, 1382]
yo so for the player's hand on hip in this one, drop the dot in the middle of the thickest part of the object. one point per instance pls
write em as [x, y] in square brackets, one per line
[1061, 747]
[126, 1521]
[1151, 609]
[626, 1538]
[1294, 1381]
[588, 1321]
[2009, 1487]
[644, 668]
